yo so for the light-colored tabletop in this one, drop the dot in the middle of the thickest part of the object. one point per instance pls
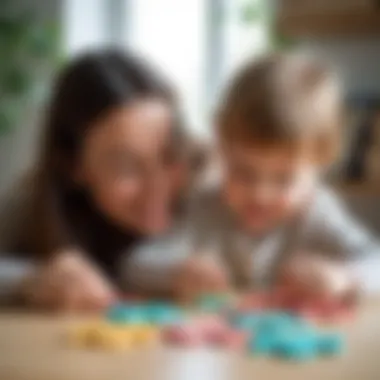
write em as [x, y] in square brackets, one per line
[32, 348]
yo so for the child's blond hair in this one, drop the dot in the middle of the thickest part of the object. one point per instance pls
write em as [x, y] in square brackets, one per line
[284, 99]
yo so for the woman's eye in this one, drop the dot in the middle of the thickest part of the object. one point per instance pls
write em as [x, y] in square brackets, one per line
[124, 169]
[128, 170]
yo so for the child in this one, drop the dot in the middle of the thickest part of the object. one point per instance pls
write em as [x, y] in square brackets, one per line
[270, 220]
[114, 166]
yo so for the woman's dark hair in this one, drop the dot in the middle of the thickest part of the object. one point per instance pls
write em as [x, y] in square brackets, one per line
[88, 88]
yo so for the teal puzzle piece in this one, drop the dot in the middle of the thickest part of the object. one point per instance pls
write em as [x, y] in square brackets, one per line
[330, 344]
[150, 313]
[213, 302]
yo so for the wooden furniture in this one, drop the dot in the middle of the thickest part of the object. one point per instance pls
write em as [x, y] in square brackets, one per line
[32, 348]
[326, 18]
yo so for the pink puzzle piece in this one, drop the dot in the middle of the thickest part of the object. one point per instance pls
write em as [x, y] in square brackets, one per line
[327, 311]
[254, 301]
[185, 335]
[208, 330]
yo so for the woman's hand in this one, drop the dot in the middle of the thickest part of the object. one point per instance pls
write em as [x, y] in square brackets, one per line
[314, 278]
[197, 276]
[69, 282]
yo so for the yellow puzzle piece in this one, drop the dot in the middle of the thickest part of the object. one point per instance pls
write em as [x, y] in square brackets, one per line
[112, 337]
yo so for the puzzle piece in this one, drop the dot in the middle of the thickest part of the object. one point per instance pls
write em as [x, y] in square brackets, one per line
[330, 344]
[205, 331]
[298, 347]
[326, 311]
[269, 320]
[246, 322]
[186, 336]
[254, 301]
[139, 314]
[261, 343]
[289, 337]
[161, 313]
[126, 314]
[110, 337]
[214, 302]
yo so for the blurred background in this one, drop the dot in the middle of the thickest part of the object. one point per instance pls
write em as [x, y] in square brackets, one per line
[198, 44]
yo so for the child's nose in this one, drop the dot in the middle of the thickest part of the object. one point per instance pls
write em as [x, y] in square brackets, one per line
[262, 195]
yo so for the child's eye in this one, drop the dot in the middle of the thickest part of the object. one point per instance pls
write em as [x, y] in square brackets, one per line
[284, 181]
[244, 174]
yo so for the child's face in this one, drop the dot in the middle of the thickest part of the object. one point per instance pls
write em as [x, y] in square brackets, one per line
[266, 186]
[127, 166]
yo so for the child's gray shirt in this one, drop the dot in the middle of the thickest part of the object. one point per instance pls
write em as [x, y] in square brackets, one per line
[324, 227]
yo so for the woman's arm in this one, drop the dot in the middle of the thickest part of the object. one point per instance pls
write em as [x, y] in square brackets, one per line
[13, 273]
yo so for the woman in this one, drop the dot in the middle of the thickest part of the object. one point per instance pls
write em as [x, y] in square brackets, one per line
[114, 166]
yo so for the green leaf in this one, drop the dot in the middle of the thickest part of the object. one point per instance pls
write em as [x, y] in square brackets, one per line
[15, 82]
[251, 12]
[43, 41]
[26, 44]
[9, 116]
[13, 36]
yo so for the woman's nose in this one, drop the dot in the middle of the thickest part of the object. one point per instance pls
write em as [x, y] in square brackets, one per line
[156, 201]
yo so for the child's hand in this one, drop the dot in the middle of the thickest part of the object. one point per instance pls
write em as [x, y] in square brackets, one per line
[68, 282]
[197, 276]
[314, 278]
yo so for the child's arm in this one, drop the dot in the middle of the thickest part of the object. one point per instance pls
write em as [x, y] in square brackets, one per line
[191, 250]
[170, 266]
[153, 266]
[330, 230]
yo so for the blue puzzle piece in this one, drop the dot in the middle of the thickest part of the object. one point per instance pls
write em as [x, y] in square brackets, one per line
[247, 322]
[213, 302]
[272, 322]
[126, 314]
[165, 315]
[262, 343]
[155, 313]
[286, 336]
[300, 348]
[330, 344]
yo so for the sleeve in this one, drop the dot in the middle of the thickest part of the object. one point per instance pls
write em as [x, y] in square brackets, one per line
[15, 208]
[151, 267]
[331, 230]
[14, 268]
[12, 274]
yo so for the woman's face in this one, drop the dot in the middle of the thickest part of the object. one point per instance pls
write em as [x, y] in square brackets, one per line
[128, 168]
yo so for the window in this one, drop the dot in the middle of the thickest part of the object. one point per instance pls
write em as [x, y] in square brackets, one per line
[196, 43]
